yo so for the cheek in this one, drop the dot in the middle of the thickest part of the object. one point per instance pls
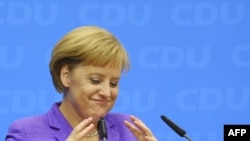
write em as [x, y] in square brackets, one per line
[114, 93]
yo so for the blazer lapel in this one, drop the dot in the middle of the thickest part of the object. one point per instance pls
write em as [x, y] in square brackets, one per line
[59, 123]
[113, 135]
[62, 134]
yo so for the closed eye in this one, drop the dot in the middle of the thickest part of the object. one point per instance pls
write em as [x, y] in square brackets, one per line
[113, 84]
[95, 81]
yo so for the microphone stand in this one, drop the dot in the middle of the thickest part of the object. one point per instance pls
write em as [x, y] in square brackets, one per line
[185, 136]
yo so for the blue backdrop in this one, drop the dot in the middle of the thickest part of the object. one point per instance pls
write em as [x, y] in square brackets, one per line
[190, 59]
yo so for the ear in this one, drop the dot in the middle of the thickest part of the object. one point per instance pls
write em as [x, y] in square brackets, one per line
[65, 75]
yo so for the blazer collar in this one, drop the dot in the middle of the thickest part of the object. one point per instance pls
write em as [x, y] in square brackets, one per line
[58, 122]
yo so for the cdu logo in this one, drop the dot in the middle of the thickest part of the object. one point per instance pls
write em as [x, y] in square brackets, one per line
[205, 14]
[21, 13]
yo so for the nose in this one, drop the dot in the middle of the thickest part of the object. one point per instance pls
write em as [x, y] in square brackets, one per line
[105, 91]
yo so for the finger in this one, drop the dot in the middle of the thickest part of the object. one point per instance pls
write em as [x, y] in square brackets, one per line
[81, 129]
[83, 124]
[133, 128]
[134, 118]
[138, 132]
[144, 129]
[84, 132]
[148, 138]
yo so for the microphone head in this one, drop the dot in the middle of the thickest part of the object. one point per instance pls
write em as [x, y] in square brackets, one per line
[177, 129]
[102, 129]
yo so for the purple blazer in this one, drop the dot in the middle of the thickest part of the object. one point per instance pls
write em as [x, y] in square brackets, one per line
[53, 126]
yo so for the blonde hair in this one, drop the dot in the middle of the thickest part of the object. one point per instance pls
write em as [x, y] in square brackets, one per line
[89, 45]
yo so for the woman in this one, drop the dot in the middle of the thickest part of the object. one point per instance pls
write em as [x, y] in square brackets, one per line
[86, 66]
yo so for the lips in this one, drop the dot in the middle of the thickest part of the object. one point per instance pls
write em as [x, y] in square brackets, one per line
[101, 101]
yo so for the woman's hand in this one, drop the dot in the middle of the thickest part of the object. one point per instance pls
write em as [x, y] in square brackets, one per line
[140, 130]
[81, 130]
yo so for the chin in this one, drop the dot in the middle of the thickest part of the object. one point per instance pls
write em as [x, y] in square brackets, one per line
[97, 117]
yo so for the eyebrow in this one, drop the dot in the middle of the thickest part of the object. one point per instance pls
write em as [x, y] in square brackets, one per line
[118, 78]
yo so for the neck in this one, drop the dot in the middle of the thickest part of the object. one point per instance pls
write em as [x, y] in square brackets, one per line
[72, 116]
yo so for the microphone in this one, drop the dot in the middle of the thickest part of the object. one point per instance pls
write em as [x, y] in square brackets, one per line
[102, 129]
[177, 129]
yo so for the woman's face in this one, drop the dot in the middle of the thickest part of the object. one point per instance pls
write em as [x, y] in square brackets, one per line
[92, 91]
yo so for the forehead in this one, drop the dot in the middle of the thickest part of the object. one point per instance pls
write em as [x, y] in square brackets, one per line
[102, 70]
